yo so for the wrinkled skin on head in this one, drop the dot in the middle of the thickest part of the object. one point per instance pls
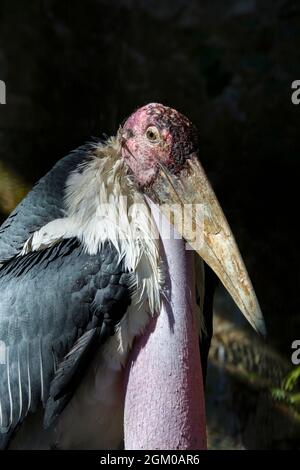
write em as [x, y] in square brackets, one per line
[157, 134]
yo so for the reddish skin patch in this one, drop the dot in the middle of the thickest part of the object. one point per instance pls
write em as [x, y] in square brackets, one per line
[177, 140]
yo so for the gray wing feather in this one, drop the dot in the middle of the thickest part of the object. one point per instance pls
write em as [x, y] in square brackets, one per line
[44, 311]
[48, 299]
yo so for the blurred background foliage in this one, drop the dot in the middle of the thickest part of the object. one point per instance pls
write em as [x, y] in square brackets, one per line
[77, 69]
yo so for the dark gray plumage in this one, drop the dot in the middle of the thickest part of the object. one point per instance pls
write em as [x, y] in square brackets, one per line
[52, 301]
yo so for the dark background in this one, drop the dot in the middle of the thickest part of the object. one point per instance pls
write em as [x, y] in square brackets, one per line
[77, 69]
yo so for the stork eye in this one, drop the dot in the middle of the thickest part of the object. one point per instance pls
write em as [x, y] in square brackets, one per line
[152, 134]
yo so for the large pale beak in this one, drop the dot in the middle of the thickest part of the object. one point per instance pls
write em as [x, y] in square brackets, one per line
[194, 207]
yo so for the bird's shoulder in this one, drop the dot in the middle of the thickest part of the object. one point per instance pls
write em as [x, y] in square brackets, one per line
[43, 204]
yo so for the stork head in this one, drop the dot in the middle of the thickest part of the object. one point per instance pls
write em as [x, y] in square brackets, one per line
[160, 147]
[156, 135]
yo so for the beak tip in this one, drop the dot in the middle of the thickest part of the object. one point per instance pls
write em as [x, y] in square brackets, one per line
[262, 328]
[259, 325]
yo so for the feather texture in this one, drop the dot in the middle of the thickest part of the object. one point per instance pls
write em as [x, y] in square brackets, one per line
[67, 269]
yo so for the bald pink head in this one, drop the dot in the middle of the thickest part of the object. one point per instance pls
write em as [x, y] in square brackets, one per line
[157, 134]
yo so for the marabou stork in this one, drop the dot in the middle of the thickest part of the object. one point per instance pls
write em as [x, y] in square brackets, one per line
[80, 288]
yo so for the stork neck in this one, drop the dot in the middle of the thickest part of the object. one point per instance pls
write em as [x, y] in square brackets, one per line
[171, 412]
